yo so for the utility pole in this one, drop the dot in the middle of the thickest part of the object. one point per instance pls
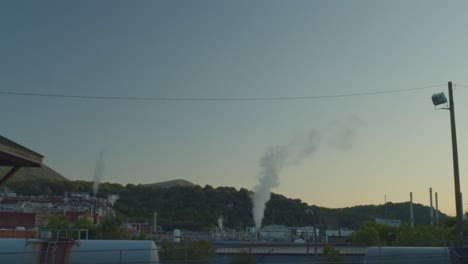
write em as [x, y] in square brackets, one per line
[155, 225]
[456, 175]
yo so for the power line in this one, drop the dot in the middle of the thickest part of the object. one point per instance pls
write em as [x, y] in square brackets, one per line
[457, 84]
[215, 99]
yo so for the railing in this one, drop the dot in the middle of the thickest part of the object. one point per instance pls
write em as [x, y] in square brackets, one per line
[74, 233]
[459, 255]
[117, 256]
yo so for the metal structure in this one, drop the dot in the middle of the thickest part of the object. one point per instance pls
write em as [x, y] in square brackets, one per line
[439, 99]
[16, 156]
[437, 209]
[431, 214]
[411, 209]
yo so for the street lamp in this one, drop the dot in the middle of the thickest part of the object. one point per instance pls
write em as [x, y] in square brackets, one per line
[439, 99]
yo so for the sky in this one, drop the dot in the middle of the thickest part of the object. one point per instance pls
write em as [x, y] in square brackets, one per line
[370, 148]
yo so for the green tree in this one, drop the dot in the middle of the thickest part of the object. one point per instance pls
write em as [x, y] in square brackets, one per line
[111, 228]
[330, 251]
[451, 229]
[59, 226]
[367, 234]
[430, 235]
[169, 252]
[330, 255]
[59, 221]
[372, 233]
[200, 251]
[406, 235]
[84, 223]
[197, 208]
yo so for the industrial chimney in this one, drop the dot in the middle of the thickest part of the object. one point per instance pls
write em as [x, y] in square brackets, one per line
[432, 208]
[411, 209]
[155, 225]
[437, 208]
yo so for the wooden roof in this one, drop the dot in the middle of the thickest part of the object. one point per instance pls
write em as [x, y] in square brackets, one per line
[15, 155]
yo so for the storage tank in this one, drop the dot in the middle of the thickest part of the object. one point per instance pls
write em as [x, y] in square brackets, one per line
[16, 250]
[407, 255]
[176, 235]
[113, 251]
[20, 251]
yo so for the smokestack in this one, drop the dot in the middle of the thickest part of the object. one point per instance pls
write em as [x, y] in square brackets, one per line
[432, 208]
[411, 209]
[437, 208]
[155, 226]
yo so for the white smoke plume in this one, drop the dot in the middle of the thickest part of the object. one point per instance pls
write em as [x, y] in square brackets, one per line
[301, 148]
[112, 198]
[343, 136]
[220, 223]
[272, 163]
[99, 170]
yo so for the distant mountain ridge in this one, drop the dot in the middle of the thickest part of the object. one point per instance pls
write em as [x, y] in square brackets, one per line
[47, 173]
[172, 183]
[202, 206]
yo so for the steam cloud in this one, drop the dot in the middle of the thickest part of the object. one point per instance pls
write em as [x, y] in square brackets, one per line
[113, 198]
[220, 223]
[272, 163]
[342, 137]
[99, 170]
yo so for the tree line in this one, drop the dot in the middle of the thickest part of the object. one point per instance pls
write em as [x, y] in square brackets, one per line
[200, 208]
[374, 234]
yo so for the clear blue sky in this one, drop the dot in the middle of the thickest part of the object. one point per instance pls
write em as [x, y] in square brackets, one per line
[393, 143]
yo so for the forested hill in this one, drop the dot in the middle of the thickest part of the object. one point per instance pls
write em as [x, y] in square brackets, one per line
[199, 208]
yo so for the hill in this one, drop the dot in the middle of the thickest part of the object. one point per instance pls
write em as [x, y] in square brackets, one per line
[172, 183]
[182, 204]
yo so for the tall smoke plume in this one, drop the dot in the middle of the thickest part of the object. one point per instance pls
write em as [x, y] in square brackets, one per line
[220, 223]
[272, 163]
[341, 137]
[99, 170]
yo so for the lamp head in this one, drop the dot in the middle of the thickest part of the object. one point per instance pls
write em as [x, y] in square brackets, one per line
[438, 99]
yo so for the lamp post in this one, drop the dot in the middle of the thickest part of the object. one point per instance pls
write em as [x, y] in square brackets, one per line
[439, 99]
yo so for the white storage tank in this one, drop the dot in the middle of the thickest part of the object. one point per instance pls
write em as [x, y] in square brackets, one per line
[113, 251]
[32, 251]
[407, 255]
[16, 250]
[176, 235]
